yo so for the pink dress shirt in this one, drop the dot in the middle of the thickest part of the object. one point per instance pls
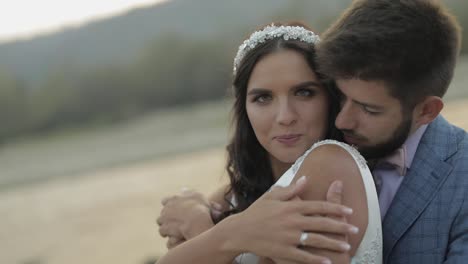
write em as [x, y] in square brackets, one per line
[388, 181]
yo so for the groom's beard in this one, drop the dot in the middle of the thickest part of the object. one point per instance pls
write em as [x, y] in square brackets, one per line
[385, 148]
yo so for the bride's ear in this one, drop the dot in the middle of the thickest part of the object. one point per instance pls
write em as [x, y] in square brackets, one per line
[427, 110]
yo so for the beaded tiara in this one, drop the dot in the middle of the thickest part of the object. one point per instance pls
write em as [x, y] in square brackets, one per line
[271, 32]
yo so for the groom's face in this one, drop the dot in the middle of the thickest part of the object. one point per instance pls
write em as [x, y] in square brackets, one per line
[371, 118]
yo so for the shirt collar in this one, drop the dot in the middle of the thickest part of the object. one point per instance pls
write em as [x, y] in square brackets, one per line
[411, 144]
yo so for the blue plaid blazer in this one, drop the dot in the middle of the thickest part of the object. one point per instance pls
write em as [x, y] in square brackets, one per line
[427, 222]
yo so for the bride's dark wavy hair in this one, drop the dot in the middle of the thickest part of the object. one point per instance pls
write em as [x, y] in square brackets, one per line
[248, 163]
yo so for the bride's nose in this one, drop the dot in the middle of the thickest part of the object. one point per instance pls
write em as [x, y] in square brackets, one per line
[286, 112]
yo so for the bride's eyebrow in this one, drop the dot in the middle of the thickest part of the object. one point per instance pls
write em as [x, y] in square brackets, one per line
[306, 85]
[256, 91]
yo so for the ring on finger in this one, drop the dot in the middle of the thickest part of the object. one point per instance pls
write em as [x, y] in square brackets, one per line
[303, 238]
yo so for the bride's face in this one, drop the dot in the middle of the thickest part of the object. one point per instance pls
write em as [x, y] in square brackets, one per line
[286, 105]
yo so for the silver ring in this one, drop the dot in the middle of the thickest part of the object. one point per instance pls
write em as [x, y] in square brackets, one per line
[303, 238]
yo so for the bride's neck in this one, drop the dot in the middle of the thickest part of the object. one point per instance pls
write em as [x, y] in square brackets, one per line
[278, 167]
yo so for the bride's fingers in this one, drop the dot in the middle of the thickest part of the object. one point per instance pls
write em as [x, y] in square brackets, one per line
[322, 208]
[298, 255]
[334, 193]
[319, 241]
[286, 193]
[327, 225]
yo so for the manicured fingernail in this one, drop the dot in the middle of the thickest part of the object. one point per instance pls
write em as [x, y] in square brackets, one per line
[347, 210]
[301, 180]
[326, 261]
[353, 229]
[345, 246]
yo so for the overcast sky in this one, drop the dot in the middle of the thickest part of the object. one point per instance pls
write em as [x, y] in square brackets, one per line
[24, 18]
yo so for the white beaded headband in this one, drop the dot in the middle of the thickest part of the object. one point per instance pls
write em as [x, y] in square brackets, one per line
[271, 32]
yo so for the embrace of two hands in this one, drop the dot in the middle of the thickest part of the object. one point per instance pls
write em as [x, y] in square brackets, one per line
[185, 216]
[270, 227]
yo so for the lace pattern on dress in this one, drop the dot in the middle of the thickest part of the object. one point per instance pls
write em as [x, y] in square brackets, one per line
[369, 253]
[369, 256]
[362, 163]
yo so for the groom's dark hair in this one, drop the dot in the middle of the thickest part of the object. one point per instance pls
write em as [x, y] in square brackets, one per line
[410, 45]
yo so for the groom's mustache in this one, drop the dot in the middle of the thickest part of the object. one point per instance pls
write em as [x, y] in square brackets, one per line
[353, 134]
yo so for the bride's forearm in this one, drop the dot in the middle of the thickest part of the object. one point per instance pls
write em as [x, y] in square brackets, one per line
[211, 246]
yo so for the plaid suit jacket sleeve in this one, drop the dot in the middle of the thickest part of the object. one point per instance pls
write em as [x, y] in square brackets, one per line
[458, 239]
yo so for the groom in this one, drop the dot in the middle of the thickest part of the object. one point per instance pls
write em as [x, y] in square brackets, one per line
[393, 62]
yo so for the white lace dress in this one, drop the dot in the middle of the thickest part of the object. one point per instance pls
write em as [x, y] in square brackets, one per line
[370, 249]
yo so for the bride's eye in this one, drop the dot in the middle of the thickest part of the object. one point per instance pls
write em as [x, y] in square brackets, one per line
[262, 98]
[305, 92]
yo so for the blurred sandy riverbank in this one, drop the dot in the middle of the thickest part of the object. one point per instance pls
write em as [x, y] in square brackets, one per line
[104, 217]
[108, 216]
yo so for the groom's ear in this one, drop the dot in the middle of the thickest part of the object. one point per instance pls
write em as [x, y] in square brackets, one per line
[427, 110]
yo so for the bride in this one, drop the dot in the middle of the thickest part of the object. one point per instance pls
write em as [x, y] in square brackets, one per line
[282, 114]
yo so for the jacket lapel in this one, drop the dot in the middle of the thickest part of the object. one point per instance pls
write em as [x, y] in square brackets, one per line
[427, 173]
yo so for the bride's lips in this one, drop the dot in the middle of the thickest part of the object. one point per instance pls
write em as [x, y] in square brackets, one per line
[289, 139]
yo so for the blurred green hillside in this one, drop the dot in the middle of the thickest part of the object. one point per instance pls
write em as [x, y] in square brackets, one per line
[144, 84]
[158, 134]
[175, 53]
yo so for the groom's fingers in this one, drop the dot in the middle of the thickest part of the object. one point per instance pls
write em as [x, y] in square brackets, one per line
[170, 229]
[174, 241]
[215, 212]
[289, 192]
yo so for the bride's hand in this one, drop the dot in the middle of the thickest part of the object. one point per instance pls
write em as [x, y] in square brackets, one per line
[272, 226]
[334, 195]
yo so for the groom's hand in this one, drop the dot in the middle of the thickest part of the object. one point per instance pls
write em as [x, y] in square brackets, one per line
[184, 216]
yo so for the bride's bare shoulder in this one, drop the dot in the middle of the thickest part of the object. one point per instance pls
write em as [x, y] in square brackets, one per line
[330, 162]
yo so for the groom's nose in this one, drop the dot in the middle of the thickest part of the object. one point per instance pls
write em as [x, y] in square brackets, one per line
[346, 118]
